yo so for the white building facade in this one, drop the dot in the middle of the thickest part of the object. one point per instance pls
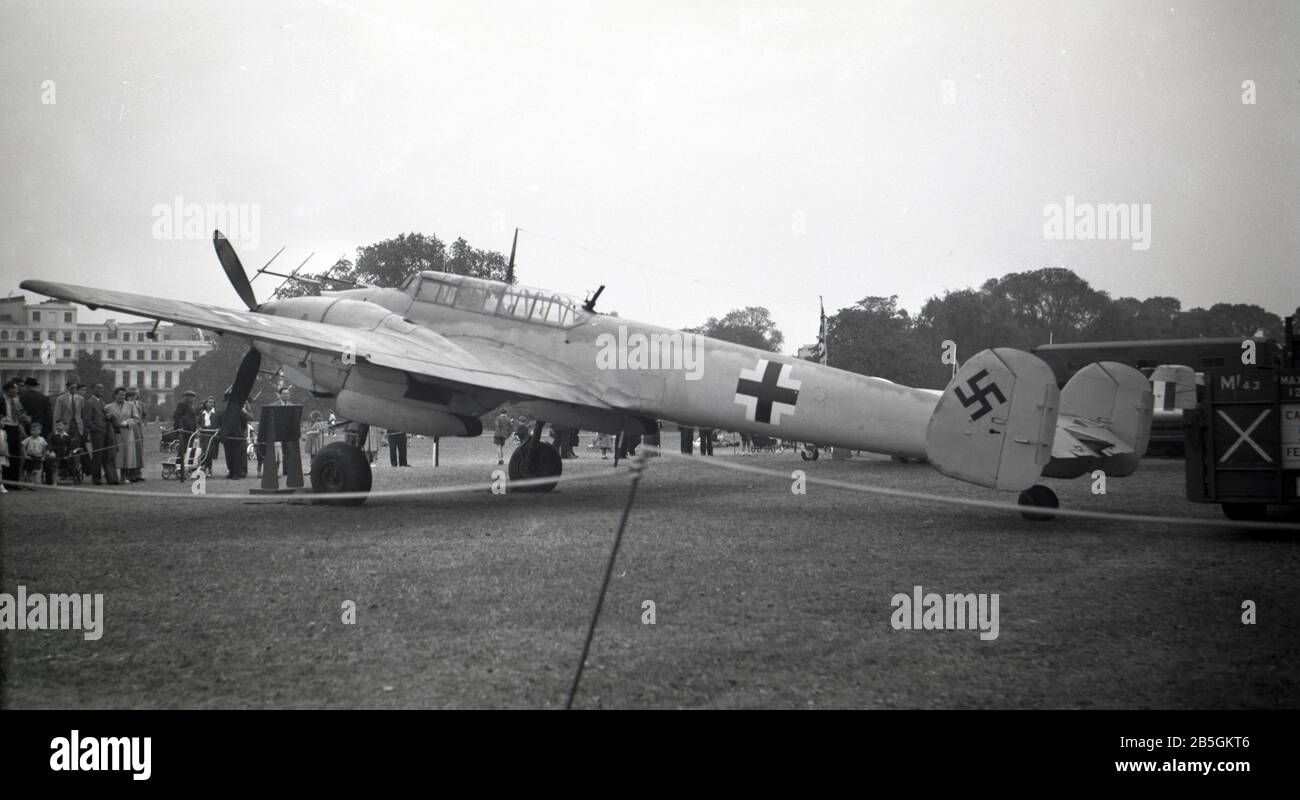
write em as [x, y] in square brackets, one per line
[43, 340]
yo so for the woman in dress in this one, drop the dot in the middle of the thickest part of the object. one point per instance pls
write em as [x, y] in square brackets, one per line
[315, 436]
[133, 436]
[118, 413]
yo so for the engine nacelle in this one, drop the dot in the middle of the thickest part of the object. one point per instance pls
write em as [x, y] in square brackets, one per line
[410, 416]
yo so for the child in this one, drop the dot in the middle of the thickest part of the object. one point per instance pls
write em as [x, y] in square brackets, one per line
[60, 448]
[35, 448]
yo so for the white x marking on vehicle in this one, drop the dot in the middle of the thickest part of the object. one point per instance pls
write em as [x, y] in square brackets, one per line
[1244, 436]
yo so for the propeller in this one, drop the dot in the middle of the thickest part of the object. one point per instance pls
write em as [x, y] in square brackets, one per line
[234, 269]
[510, 268]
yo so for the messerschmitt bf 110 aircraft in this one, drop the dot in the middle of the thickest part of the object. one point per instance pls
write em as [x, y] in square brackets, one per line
[437, 354]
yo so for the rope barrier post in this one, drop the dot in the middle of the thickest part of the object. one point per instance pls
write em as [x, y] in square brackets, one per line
[638, 467]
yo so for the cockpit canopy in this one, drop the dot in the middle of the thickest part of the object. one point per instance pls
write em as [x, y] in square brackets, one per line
[499, 299]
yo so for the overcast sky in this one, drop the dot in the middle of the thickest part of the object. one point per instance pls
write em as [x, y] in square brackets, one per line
[701, 156]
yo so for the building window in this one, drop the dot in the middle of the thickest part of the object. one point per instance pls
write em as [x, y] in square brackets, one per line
[126, 377]
[167, 355]
[21, 336]
[4, 352]
[153, 355]
[182, 355]
[112, 355]
[36, 316]
[97, 337]
[67, 316]
[167, 379]
[153, 379]
[139, 377]
[18, 353]
[139, 355]
[67, 352]
[81, 337]
[126, 336]
[4, 336]
[67, 336]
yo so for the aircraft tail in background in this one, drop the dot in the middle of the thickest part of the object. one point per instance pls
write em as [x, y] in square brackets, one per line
[1104, 422]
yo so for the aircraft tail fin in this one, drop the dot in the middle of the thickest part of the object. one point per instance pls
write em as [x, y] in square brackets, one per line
[995, 423]
[1104, 423]
[1173, 387]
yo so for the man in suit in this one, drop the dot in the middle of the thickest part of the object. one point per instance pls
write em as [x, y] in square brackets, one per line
[37, 405]
[234, 428]
[706, 441]
[397, 449]
[67, 409]
[101, 439]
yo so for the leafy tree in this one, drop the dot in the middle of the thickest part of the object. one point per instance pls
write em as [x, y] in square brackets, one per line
[875, 337]
[751, 326]
[974, 320]
[1228, 319]
[392, 261]
[89, 369]
[1051, 303]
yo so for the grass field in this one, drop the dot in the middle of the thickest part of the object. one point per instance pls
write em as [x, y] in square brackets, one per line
[763, 598]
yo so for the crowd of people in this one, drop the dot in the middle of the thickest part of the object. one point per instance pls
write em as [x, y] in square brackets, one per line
[76, 432]
[45, 439]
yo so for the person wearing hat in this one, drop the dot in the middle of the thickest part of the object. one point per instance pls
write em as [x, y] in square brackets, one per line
[37, 405]
[100, 437]
[185, 422]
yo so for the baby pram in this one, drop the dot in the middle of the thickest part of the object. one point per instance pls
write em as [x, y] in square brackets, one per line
[184, 461]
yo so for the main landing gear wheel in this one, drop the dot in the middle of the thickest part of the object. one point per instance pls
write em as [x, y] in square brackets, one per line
[535, 459]
[340, 467]
[1041, 497]
[809, 453]
[1245, 512]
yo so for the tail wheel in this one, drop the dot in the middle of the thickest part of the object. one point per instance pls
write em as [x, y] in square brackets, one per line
[340, 467]
[535, 459]
[1041, 497]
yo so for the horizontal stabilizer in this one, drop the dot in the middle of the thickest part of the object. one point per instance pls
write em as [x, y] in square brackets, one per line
[1104, 423]
[994, 424]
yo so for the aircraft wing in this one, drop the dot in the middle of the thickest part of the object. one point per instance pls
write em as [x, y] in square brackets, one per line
[422, 352]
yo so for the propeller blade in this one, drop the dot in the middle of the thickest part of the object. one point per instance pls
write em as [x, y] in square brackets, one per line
[244, 378]
[510, 268]
[234, 270]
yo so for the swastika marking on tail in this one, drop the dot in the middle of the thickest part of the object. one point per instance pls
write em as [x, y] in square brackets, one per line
[979, 394]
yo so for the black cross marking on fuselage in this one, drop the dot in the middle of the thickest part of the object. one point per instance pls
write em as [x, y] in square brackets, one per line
[766, 392]
[979, 394]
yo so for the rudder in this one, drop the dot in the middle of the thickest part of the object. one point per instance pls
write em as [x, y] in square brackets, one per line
[995, 422]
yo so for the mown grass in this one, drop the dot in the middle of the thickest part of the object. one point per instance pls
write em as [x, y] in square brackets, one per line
[763, 598]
